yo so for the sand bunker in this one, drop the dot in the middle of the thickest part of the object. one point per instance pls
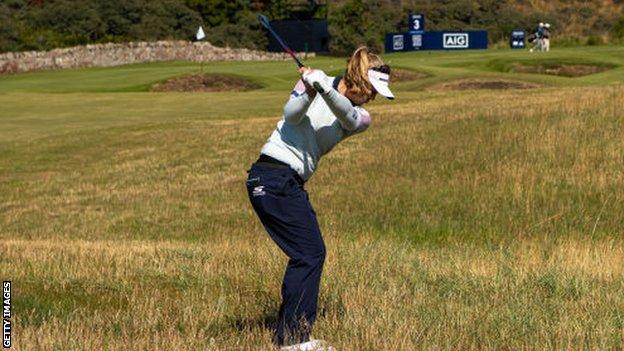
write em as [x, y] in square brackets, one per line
[205, 82]
[404, 75]
[565, 70]
[482, 83]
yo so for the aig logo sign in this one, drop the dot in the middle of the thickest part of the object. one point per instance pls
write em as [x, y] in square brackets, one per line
[455, 40]
[397, 42]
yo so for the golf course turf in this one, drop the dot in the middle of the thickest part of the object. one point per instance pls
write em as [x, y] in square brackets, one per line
[463, 219]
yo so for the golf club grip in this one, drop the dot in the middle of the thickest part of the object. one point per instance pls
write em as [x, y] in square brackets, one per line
[318, 87]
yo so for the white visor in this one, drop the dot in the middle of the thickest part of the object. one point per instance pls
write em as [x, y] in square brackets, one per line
[380, 82]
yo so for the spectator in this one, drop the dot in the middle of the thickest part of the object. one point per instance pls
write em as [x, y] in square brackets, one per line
[546, 38]
[538, 38]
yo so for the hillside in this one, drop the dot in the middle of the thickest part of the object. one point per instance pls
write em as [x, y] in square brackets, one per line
[575, 19]
[48, 24]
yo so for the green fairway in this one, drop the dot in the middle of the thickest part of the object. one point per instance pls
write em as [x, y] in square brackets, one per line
[279, 75]
[472, 219]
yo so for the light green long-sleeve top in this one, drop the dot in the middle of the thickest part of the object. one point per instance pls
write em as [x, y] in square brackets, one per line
[311, 127]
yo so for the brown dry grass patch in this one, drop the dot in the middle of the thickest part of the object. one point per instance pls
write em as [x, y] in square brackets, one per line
[206, 83]
[406, 75]
[483, 84]
[564, 70]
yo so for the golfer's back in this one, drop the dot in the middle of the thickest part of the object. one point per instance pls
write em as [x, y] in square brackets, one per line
[302, 144]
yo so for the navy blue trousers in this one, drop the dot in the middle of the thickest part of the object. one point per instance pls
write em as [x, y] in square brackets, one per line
[278, 197]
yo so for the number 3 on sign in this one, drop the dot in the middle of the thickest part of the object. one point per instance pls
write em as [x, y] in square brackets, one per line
[416, 22]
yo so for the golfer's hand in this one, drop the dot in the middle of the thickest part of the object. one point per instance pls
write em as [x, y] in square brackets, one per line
[317, 79]
[309, 89]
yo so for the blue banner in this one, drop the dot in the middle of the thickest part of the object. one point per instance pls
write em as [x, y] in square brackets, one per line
[451, 40]
[455, 40]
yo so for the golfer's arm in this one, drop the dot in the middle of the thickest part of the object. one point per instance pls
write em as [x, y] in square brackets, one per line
[297, 105]
[347, 114]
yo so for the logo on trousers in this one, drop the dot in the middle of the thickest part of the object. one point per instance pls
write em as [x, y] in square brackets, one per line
[258, 191]
[455, 40]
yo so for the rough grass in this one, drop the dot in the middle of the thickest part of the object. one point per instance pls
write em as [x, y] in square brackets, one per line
[461, 220]
[376, 294]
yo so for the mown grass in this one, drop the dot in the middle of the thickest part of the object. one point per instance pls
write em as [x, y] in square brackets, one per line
[278, 76]
[460, 220]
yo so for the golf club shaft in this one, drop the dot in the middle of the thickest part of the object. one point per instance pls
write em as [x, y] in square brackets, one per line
[265, 22]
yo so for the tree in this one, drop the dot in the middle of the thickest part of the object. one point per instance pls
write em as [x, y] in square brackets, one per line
[217, 12]
[78, 22]
[359, 22]
[246, 33]
[165, 19]
[618, 29]
[9, 33]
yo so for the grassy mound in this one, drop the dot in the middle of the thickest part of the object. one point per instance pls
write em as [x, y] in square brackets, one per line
[560, 69]
[406, 75]
[206, 82]
[483, 83]
[566, 67]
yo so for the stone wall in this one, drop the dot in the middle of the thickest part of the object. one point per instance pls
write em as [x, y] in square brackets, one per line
[105, 55]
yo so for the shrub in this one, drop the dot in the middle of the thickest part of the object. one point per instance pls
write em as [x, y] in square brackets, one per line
[77, 22]
[594, 40]
[9, 35]
[359, 22]
[246, 33]
[617, 32]
[165, 19]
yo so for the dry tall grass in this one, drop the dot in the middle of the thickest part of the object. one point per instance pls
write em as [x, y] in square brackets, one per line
[376, 295]
[472, 220]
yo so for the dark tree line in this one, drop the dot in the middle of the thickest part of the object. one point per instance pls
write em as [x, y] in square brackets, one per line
[573, 21]
[47, 24]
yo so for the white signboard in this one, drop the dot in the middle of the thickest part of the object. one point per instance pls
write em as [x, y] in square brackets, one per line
[397, 42]
[455, 40]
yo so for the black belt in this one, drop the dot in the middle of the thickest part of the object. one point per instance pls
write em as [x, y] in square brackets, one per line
[271, 162]
[268, 161]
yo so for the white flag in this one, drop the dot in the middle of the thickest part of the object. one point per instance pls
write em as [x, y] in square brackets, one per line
[200, 34]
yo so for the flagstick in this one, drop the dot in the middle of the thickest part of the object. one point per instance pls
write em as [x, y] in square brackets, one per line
[200, 35]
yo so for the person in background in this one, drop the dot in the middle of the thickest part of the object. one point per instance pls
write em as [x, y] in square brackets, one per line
[538, 38]
[546, 38]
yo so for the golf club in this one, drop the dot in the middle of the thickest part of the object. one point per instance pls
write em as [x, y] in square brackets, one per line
[265, 22]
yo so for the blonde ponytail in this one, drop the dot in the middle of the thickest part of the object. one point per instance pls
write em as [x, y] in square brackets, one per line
[356, 77]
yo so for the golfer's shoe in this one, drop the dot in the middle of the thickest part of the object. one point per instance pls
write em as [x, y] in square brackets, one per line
[312, 345]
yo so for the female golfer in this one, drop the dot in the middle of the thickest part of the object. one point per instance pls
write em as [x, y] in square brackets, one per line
[321, 112]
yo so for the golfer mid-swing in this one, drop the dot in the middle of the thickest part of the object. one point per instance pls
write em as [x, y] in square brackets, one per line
[314, 122]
